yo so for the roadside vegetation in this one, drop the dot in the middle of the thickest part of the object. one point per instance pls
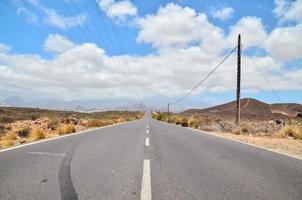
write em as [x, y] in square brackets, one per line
[23, 125]
[291, 129]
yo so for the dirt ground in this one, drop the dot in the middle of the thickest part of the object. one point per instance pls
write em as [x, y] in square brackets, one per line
[285, 146]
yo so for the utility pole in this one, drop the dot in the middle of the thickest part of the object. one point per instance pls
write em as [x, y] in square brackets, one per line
[238, 80]
[168, 112]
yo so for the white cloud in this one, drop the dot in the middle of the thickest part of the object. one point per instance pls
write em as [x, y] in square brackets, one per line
[223, 13]
[28, 15]
[4, 48]
[287, 10]
[54, 19]
[85, 71]
[252, 31]
[57, 44]
[284, 43]
[187, 46]
[173, 25]
[117, 9]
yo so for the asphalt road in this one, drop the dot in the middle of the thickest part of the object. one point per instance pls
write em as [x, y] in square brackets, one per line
[147, 159]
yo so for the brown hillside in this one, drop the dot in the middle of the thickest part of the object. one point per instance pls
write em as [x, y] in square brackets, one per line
[251, 109]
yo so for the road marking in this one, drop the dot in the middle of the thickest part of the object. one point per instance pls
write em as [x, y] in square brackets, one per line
[147, 141]
[147, 131]
[46, 153]
[146, 182]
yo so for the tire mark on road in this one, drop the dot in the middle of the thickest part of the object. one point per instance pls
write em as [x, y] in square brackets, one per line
[67, 189]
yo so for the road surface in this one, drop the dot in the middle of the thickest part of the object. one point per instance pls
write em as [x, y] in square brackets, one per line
[147, 159]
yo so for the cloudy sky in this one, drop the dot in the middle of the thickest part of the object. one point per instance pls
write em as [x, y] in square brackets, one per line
[106, 49]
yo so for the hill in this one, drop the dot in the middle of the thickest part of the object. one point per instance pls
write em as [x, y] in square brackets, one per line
[251, 109]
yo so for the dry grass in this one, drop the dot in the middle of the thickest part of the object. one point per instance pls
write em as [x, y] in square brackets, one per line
[121, 119]
[37, 134]
[298, 132]
[64, 129]
[294, 131]
[94, 123]
[8, 140]
[101, 122]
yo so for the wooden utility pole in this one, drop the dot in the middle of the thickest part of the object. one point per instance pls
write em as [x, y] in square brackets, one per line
[238, 80]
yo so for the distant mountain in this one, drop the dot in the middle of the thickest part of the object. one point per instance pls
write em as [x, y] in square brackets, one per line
[14, 101]
[250, 109]
[75, 105]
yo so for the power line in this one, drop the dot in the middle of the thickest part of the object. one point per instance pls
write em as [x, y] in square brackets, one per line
[256, 66]
[91, 37]
[204, 79]
[120, 48]
[266, 80]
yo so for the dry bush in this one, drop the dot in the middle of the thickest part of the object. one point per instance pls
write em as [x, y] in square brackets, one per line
[8, 140]
[4, 143]
[193, 123]
[107, 122]
[298, 132]
[24, 132]
[236, 131]
[94, 123]
[53, 123]
[37, 134]
[11, 136]
[286, 131]
[63, 129]
[178, 120]
[184, 122]
[120, 120]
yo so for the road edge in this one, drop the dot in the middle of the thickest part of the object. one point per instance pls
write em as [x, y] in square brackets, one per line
[63, 136]
[253, 145]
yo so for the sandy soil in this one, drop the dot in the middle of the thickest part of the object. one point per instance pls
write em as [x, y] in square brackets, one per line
[285, 146]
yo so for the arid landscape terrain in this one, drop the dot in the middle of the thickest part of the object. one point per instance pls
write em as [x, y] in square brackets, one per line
[275, 126]
[23, 125]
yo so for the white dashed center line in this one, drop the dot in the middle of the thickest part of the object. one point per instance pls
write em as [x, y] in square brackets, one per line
[47, 153]
[147, 141]
[147, 131]
[146, 182]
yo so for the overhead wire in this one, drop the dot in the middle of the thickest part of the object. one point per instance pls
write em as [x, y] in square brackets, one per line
[205, 78]
[90, 37]
[116, 37]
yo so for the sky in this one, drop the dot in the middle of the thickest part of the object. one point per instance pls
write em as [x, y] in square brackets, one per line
[150, 50]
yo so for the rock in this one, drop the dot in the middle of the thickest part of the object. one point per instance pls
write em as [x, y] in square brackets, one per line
[22, 141]
[299, 114]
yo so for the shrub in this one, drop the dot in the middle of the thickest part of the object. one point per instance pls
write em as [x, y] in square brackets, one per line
[53, 123]
[236, 131]
[37, 134]
[285, 132]
[178, 120]
[121, 120]
[4, 143]
[6, 120]
[65, 129]
[24, 132]
[298, 132]
[244, 130]
[9, 139]
[11, 136]
[184, 122]
[94, 123]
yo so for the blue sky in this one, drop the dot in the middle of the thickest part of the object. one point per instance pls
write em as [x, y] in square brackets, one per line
[155, 50]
